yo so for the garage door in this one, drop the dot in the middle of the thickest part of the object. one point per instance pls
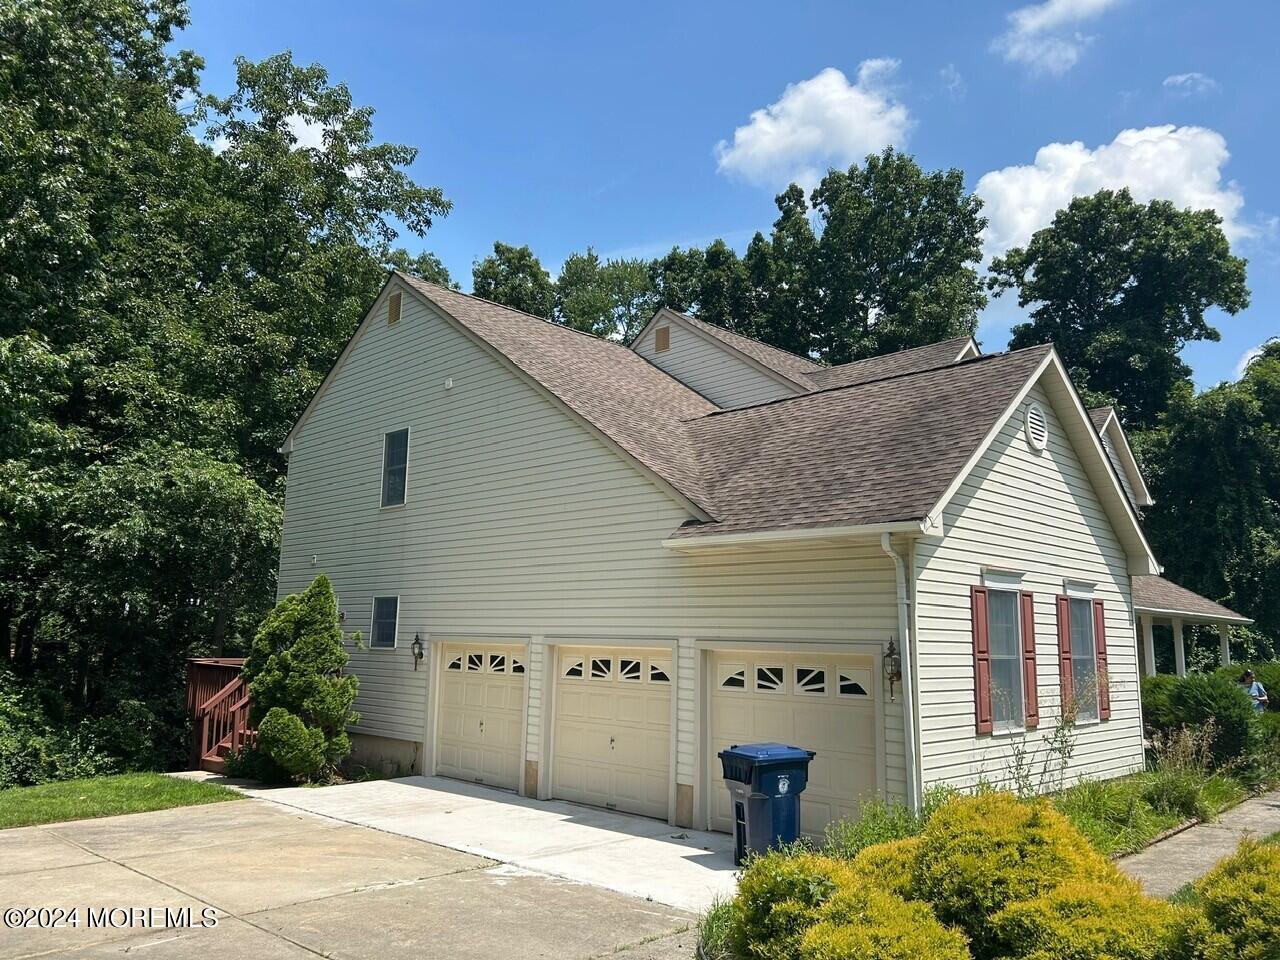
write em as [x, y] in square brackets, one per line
[821, 703]
[481, 708]
[612, 740]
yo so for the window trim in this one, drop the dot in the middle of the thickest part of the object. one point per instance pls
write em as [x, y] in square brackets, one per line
[382, 485]
[1019, 657]
[1074, 591]
[373, 611]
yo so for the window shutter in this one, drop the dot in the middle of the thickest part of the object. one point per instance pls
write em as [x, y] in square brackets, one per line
[1100, 646]
[1029, 660]
[981, 660]
[1064, 649]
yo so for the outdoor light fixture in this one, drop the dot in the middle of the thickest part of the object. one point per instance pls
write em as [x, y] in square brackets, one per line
[892, 666]
[416, 647]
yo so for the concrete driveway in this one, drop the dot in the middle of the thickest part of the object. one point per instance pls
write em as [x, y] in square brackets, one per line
[286, 884]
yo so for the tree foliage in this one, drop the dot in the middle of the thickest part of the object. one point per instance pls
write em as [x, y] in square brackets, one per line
[513, 276]
[1119, 287]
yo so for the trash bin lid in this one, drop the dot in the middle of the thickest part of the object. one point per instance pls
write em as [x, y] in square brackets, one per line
[769, 752]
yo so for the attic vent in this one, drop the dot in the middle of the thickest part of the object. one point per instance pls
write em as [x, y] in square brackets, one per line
[1037, 427]
[662, 339]
[393, 308]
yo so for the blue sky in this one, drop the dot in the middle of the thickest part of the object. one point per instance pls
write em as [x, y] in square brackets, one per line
[564, 125]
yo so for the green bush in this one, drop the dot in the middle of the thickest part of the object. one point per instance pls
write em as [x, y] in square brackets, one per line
[879, 822]
[38, 745]
[1237, 908]
[860, 923]
[779, 897]
[1157, 711]
[1083, 920]
[889, 866]
[979, 854]
[295, 668]
[1267, 673]
[1199, 698]
[1112, 814]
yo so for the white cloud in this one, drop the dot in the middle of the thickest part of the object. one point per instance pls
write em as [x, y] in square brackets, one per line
[1243, 363]
[1182, 164]
[818, 123]
[1190, 84]
[1041, 35]
[953, 82]
[307, 133]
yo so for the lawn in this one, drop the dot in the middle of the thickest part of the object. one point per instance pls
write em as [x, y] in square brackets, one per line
[103, 797]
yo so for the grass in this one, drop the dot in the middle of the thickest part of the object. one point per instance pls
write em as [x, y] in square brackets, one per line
[103, 797]
[713, 930]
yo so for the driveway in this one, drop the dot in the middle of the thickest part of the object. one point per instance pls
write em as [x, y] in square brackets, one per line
[285, 884]
[686, 869]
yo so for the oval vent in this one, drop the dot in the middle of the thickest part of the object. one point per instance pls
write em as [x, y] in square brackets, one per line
[1037, 426]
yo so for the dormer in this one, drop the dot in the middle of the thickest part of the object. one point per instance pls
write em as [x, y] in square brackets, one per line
[1116, 444]
[727, 368]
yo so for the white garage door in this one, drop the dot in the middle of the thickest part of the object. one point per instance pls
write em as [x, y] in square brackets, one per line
[821, 703]
[612, 740]
[481, 709]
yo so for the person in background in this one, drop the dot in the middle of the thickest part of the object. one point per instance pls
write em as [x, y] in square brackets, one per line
[1257, 692]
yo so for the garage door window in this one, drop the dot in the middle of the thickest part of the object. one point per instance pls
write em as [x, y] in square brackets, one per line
[572, 667]
[629, 670]
[811, 681]
[854, 684]
[517, 665]
[733, 676]
[771, 679]
[455, 664]
[659, 671]
[601, 668]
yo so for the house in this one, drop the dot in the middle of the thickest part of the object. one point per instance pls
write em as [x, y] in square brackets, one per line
[617, 561]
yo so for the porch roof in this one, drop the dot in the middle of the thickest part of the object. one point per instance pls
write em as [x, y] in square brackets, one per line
[1156, 596]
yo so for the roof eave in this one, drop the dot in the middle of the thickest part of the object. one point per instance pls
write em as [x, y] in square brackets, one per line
[801, 535]
[1192, 616]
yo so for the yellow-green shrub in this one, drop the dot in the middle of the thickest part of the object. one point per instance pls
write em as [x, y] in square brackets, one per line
[861, 923]
[979, 854]
[889, 866]
[779, 897]
[1082, 920]
[1239, 901]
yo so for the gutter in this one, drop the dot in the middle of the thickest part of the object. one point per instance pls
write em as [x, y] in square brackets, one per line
[906, 649]
[707, 541]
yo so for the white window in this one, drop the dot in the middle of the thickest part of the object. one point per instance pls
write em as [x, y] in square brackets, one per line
[395, 467]
[1008, 708]
[1084, 659]
[386, 616]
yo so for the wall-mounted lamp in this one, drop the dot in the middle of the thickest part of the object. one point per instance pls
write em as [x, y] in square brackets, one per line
[892, 666]
[416, 647]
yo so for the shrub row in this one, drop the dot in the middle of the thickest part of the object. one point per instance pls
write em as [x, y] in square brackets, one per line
[1197, 700]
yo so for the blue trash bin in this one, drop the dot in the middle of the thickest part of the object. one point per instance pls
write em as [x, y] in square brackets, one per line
[765, 781]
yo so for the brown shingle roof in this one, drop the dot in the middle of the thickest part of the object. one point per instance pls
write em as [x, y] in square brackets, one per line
[621, 394]
[1158, 595]
[1100, 416]
[912, 360]
[789, 365]
[872, 453]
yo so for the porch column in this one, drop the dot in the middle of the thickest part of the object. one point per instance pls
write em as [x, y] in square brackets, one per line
[1179, 649]
[1224, 645]
[1148, 648]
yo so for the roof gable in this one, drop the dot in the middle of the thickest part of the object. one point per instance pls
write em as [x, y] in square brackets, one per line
[911, 360]
[1107, 423]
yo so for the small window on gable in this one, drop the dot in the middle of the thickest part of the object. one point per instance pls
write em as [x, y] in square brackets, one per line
[395, 467]
[455, 664]
[572, 667]
[771, 680]
[811, 681]
[629, 669]
[386, 613]
[475, 662]
[662, 340]
[659, 671]
[733, 676]
[393, 308]
[601, 668]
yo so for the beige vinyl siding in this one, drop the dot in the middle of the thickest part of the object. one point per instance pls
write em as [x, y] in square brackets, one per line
[1036, 514]
[721, 375]
[520, 522]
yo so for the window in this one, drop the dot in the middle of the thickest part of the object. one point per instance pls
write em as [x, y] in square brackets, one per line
[659, 671]
[386, 614]
[571, 667]
[517, 665]
[497, 663]
[1084, 659]
[629, 669]
[475, 662]
[662, 340]
[812, 681]
[455, 663]
[395, 467]
[733, 676]
[601, 668]
[771, 680]
[1007, 711]
[850, 685]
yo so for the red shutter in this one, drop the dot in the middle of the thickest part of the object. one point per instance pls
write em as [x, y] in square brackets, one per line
[981, 660]
[1064, 649]
[1029, 660]
[1100, 645]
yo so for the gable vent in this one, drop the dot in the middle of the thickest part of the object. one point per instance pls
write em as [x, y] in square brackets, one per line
[1037, 426]
[662, 339]
[393, 308]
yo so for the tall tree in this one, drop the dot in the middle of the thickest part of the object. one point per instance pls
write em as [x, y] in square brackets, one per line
[790, 314]
[612, 298]
[1119, 287]
[514, 277]
[896, 261]
[722, 287]
[426, 266]
[1213, 465]
[677, 277]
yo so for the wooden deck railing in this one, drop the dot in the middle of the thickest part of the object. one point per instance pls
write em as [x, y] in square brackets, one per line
[218, 699]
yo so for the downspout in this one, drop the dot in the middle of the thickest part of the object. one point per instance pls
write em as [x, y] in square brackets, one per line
[908, 674]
